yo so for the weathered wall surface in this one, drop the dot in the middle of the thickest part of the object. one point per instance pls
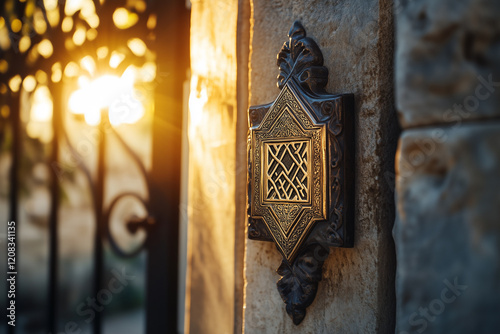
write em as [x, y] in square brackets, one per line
[357, 291]
[212, 140]
[448, 202]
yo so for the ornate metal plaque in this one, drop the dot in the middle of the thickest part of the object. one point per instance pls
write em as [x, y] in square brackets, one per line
[300, 179]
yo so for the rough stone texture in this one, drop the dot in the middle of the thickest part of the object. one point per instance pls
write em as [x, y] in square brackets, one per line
[242, 54]
[446, 49]
[448, 200]
[448, 229]
[212, 140]
[357, 291]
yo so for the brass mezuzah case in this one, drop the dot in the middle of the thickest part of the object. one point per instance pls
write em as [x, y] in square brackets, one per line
[300, 179]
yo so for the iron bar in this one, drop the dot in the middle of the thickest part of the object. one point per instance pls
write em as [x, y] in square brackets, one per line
[132, 154]
[163, 244]
[54, 216]
[14, 172]
[99, 214]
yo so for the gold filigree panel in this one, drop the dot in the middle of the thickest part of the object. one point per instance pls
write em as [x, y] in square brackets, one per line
[288, 162]
[287, 171]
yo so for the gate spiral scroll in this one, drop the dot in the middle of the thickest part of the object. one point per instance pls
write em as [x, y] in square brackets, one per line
[300, 176]
[133, 224]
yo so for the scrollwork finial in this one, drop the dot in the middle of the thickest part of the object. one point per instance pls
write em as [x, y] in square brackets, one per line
[301, 58]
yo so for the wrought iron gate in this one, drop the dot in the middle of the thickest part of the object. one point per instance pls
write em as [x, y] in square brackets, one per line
[171, 45]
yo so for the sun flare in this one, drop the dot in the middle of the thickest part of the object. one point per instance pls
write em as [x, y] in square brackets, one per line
[117, 94]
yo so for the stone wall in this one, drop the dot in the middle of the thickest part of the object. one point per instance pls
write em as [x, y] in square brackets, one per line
[356, 294]
[212, 168]
[447, 82]
[448, 200]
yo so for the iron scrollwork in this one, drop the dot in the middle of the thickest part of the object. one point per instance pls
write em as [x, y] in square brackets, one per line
[103, 215]
[300, 177]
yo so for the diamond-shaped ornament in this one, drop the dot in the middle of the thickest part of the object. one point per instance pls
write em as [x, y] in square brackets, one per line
[289, 171]
[300, 175]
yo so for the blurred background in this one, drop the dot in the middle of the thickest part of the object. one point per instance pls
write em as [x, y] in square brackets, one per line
[77, 107]
[96, 171]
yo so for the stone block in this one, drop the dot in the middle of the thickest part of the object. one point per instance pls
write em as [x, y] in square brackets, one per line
[448, 230]
[356, 294]
[447, 65]
[211, 188]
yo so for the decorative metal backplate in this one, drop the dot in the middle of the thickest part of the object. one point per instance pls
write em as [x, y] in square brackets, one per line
[300, 177]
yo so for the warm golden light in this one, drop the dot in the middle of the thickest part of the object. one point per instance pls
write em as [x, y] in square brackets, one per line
[4, 66]
[120, 17]
[68, 44]
[197, 100]
[117, 94]
[24, 44]
[40, 114]
[50, 4]
[93, 21]
[45, 48]
[124, 19]
[148, 72]
[67, 24]
[4, 38]
[79, 36]
[151, 24]
[29, 9]
[56, 72]
[72, 6]
[137, 46]
[41, 77]
[139, 5]
[53, 17]
[16, 25]
[41, 108]
[5, 111]
[86, 8]
[39, 22]
[88, 64]
[29, 83]
[15, 83]
[115, 59]
[91, 34]
[71, 70]
[102, 52]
